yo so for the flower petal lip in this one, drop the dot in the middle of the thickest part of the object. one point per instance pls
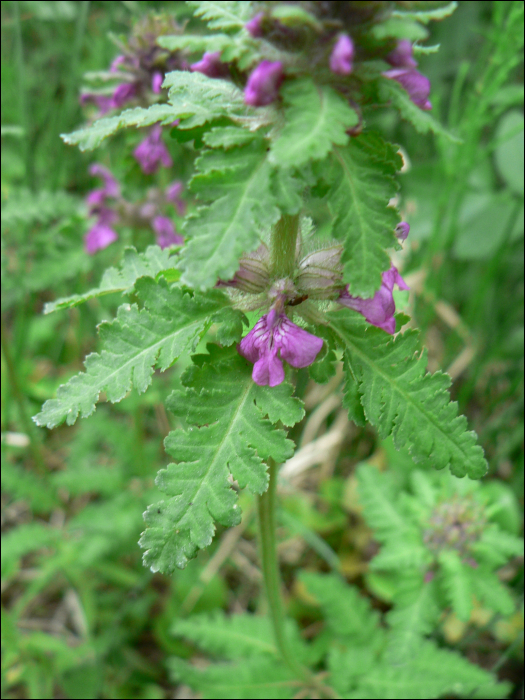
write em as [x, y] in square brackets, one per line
[378, 310]
[275, 338]
[415, 83]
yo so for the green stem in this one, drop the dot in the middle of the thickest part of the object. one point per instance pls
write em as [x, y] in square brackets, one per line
[266, 504]
[272, 579]
[283, 245]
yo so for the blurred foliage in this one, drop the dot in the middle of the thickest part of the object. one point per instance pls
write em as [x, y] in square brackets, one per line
[82, 618]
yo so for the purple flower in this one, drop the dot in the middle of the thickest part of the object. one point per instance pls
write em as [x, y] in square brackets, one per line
[101, 234]
[111, 186]
[165, 232]
[151, 152]
[402, 56]
[272, 334]
[173, 193]
[402, 230]
[416, 84]
[380, 309]
[122, 94]
[156, 82]
[211, 65]
[116, 63]
[263, 84]
[254, 26]
[342, 55]
[103, 102]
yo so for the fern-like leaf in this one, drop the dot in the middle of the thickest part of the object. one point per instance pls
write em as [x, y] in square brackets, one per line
[315, 118]
[238, 182]
[401, 398]
[362, 178]
[258, 677]
[457, 583]
[134, 265]
[227, 433]
[171, 323]
[378, 497]
[227, 15]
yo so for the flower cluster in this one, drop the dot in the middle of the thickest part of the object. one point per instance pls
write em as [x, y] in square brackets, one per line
[317, 277]
[109, 207]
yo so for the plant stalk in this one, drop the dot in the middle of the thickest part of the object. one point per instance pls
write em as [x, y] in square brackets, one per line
[272, 580]
[283, 245]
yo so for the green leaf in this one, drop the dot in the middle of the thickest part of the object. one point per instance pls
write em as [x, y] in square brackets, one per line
[134, 343]
[392, 92]
[196, 43]
[363, 182]
[415, 615]
[347, 612]
[92, 136]
[315, 118]
[196, 99]
[457, 583]
[223, 15]
[259, 677]
[228, 137]
[378, 496]
[134, 265]
[232, 637]
[227, 433]
[401, 398]
[427, 13]
[399, 28]
[491, 591]
[351, 395]
[238, 183]
[432, 673]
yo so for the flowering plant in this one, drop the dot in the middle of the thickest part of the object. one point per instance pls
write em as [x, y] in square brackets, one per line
[275, 100]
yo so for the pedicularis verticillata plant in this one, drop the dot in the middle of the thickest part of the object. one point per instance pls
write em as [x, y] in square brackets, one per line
[275, 100]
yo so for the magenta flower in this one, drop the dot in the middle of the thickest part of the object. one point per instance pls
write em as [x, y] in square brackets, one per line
[211, 65]
[263, 84]
[380, 309]
[111, 186]
[99, 237]
[156, 82]
[342, 55]
[254, 26]
[402, 230]
[151, 152]
[173, 193]
[416, 84]
[124, 92]
[103, 102]
[402, 56]
[275, 338]
[165, 232]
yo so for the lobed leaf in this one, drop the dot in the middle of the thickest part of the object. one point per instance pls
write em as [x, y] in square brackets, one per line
[225, 15]
[227, 433]
[362, 183]
[259, 677]
[91, 137]
[392, 92]
[171, 323]
[239, 184]
[315, 118]
[400, 398]
[134, 265]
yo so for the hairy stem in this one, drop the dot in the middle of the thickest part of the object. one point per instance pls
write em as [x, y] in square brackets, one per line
[283, 245]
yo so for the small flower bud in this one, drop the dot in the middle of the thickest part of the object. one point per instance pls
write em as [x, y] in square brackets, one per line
[211, 65]
[402, 230]
[342, 55]
[254, 26]
[263, 84]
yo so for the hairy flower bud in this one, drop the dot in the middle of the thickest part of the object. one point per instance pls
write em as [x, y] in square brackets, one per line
[254, 26]
[342, 55]
[263, 84]
[320, 273]
[402, 56]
